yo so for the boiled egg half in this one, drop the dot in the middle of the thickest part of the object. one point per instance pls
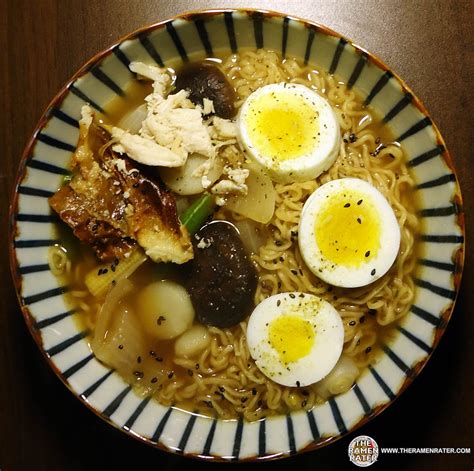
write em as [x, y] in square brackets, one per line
[295, 338]
[348, 233]
[289, 130]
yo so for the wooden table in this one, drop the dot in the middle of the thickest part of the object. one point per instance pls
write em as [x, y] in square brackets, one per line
[429, 43]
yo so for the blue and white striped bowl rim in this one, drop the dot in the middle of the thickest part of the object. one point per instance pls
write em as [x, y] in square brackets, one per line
[50, 321]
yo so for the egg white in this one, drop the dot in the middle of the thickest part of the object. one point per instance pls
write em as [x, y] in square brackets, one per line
[326, 140]
[326, 348]
[339, 274]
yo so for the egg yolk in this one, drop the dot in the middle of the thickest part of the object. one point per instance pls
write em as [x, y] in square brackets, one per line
[282, 125]
[291, 336]
[348, 229]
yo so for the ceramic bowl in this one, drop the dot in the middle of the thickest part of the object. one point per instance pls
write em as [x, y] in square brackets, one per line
[51, 321]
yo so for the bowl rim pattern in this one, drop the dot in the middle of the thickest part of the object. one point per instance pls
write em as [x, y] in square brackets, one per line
[257, 16]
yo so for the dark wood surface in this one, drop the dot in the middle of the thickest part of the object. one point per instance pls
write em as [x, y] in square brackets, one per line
[429, 43]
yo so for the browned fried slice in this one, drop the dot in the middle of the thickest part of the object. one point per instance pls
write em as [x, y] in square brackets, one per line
[108, 242]
[110, 203]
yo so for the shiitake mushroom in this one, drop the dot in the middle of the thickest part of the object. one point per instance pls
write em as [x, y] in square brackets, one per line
[205, 80]
[222, 281]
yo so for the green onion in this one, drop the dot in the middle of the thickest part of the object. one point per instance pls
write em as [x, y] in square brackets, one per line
[67, 179]
[195, 216]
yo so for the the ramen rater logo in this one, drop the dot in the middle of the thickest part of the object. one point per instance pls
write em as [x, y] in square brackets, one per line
[363, 451]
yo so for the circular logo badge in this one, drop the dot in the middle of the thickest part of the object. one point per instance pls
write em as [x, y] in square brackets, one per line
[363, 451]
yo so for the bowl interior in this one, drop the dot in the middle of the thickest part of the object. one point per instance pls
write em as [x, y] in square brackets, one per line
[170, 43]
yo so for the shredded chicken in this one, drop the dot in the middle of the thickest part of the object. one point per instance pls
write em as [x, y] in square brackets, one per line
[234, 184]
[161, 79]
[174, 128]
[145, 151]
[208, 106]
[224, 128]
[177, 119]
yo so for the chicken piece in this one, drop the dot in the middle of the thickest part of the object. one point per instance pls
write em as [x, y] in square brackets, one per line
[207, 106]
[234, 184]
[172, 130]
[145, 151]
[160, 77]
[177, 117]
[224, 129]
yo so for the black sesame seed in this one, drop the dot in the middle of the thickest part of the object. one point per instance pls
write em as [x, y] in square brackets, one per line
[292, 296]
[170, 375]
[138, 374]
[154, 379]
[139, 359]
[352, 323]
[347, 205]
[278, 243]
[278, 303]
[372, 272]
[367, 253]
[120, 347]
[159, 359]
[359, 202]
[197, 366]
[152, 353]
[298, 384]
[359, 220]
[368, 349]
